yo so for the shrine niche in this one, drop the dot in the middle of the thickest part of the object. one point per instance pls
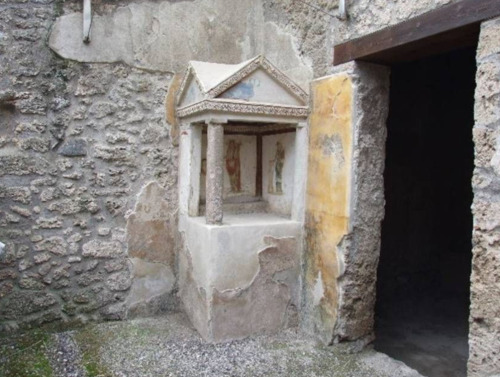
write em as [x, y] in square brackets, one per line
[243, 157]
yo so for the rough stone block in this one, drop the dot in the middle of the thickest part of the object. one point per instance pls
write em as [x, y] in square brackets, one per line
[55, 245]
[114, 312]
[74, 206]
[36, 144]
[31, 282]
[7, 274]
[488, 43]
[89, 278]
[16, 194]
[103, 249]
[73, 148]
[119, 281]
[21, 165]
[22, 303]
[49, 223]
[6, 288]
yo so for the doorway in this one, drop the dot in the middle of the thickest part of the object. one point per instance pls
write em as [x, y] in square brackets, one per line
[422, 305]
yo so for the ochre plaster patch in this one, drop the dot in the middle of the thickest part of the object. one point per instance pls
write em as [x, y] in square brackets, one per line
[327, 205]
[170, 114]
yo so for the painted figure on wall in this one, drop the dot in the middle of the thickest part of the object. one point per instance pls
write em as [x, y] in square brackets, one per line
[275, 185]
[233, 165]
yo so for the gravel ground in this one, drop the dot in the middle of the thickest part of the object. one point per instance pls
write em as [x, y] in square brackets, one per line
[65, 357]
[169, 346]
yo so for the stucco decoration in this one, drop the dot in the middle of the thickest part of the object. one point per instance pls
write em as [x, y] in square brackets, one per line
[252, 87]
[239, 270]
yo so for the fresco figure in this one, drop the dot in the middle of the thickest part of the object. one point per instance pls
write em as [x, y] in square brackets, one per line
[275, 185]
[233, 165]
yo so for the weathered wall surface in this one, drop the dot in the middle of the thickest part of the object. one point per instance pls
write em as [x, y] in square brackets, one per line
[312, 31]
[88, 190]
[484, 336]
[152, 241]
[78, 142]
[327, 204]
[360, 249]
[344, 213]
[368, 16]
[241, 278]
[165, 35]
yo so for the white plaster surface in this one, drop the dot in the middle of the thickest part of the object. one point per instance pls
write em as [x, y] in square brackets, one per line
[184, 166]
[165, 36]
[278, 203]
[150, 280]
[190, 166]
[212, 74]
[300, 176]
[226, 256]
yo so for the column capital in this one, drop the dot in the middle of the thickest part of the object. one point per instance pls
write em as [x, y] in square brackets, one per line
[215, 122]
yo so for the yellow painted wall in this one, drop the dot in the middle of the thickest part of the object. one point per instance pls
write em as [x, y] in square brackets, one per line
[328, 190]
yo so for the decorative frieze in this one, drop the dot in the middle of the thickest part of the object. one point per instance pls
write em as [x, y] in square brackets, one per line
[243, 108]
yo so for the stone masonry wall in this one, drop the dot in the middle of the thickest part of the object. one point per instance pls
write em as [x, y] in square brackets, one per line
[484, 331]
[77, 143]
[368, 16]
[88, 170]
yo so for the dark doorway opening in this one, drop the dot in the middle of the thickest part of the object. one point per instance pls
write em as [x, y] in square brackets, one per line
[423, 284]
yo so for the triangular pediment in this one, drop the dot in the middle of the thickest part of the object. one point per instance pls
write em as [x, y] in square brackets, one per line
[192, 92]
[261, 87]
[255, 80]
[211, 75]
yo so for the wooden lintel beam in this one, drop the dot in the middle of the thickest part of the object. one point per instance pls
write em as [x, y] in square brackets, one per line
[458, 15]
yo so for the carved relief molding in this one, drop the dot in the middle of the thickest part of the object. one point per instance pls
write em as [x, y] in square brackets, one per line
[243, 108]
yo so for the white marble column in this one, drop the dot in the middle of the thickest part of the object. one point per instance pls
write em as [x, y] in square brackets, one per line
[215, 173]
